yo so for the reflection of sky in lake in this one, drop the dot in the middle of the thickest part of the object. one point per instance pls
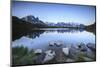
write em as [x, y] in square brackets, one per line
[66, 37]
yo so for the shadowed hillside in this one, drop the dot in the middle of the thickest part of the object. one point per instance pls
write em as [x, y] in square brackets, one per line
[91, 28]
[21, 27]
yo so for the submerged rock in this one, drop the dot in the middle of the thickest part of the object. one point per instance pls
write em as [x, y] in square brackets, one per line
[51, 43]
[88, 50]
[82, 47]
[59, 43]
[91, 46]
[90, 54]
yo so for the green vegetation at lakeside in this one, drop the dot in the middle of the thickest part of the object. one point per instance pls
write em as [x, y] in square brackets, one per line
[22, 56]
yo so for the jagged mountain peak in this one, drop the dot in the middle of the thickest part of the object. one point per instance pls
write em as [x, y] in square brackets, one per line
[29, 18]
[32, 19]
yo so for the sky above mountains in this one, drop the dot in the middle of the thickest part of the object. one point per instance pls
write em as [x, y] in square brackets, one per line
[55, 12]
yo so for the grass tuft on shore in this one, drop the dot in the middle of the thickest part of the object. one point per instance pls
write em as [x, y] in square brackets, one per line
[22, 56]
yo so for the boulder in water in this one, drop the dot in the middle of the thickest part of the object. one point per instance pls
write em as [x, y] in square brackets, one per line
[82, 47]
[49, 56]
[58, 43]
[91, 46]
[51, 43]
[38, 51]
[65, 50]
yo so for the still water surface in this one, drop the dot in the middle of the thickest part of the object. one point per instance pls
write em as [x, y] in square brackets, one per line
[39, 39]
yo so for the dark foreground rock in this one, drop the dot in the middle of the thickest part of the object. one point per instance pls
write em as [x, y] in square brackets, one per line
[78, 53]
[55, 54]
[73, 52]
[83, 47]
[91, 46]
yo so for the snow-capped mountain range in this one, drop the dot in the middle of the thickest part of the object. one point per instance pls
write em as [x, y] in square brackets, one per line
[36, 20]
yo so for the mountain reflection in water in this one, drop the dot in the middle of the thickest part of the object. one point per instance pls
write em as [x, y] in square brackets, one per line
[39, 38]
[37, 32]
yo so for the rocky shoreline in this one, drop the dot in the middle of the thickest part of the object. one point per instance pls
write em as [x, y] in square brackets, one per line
[56, 53]
[61, 54]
